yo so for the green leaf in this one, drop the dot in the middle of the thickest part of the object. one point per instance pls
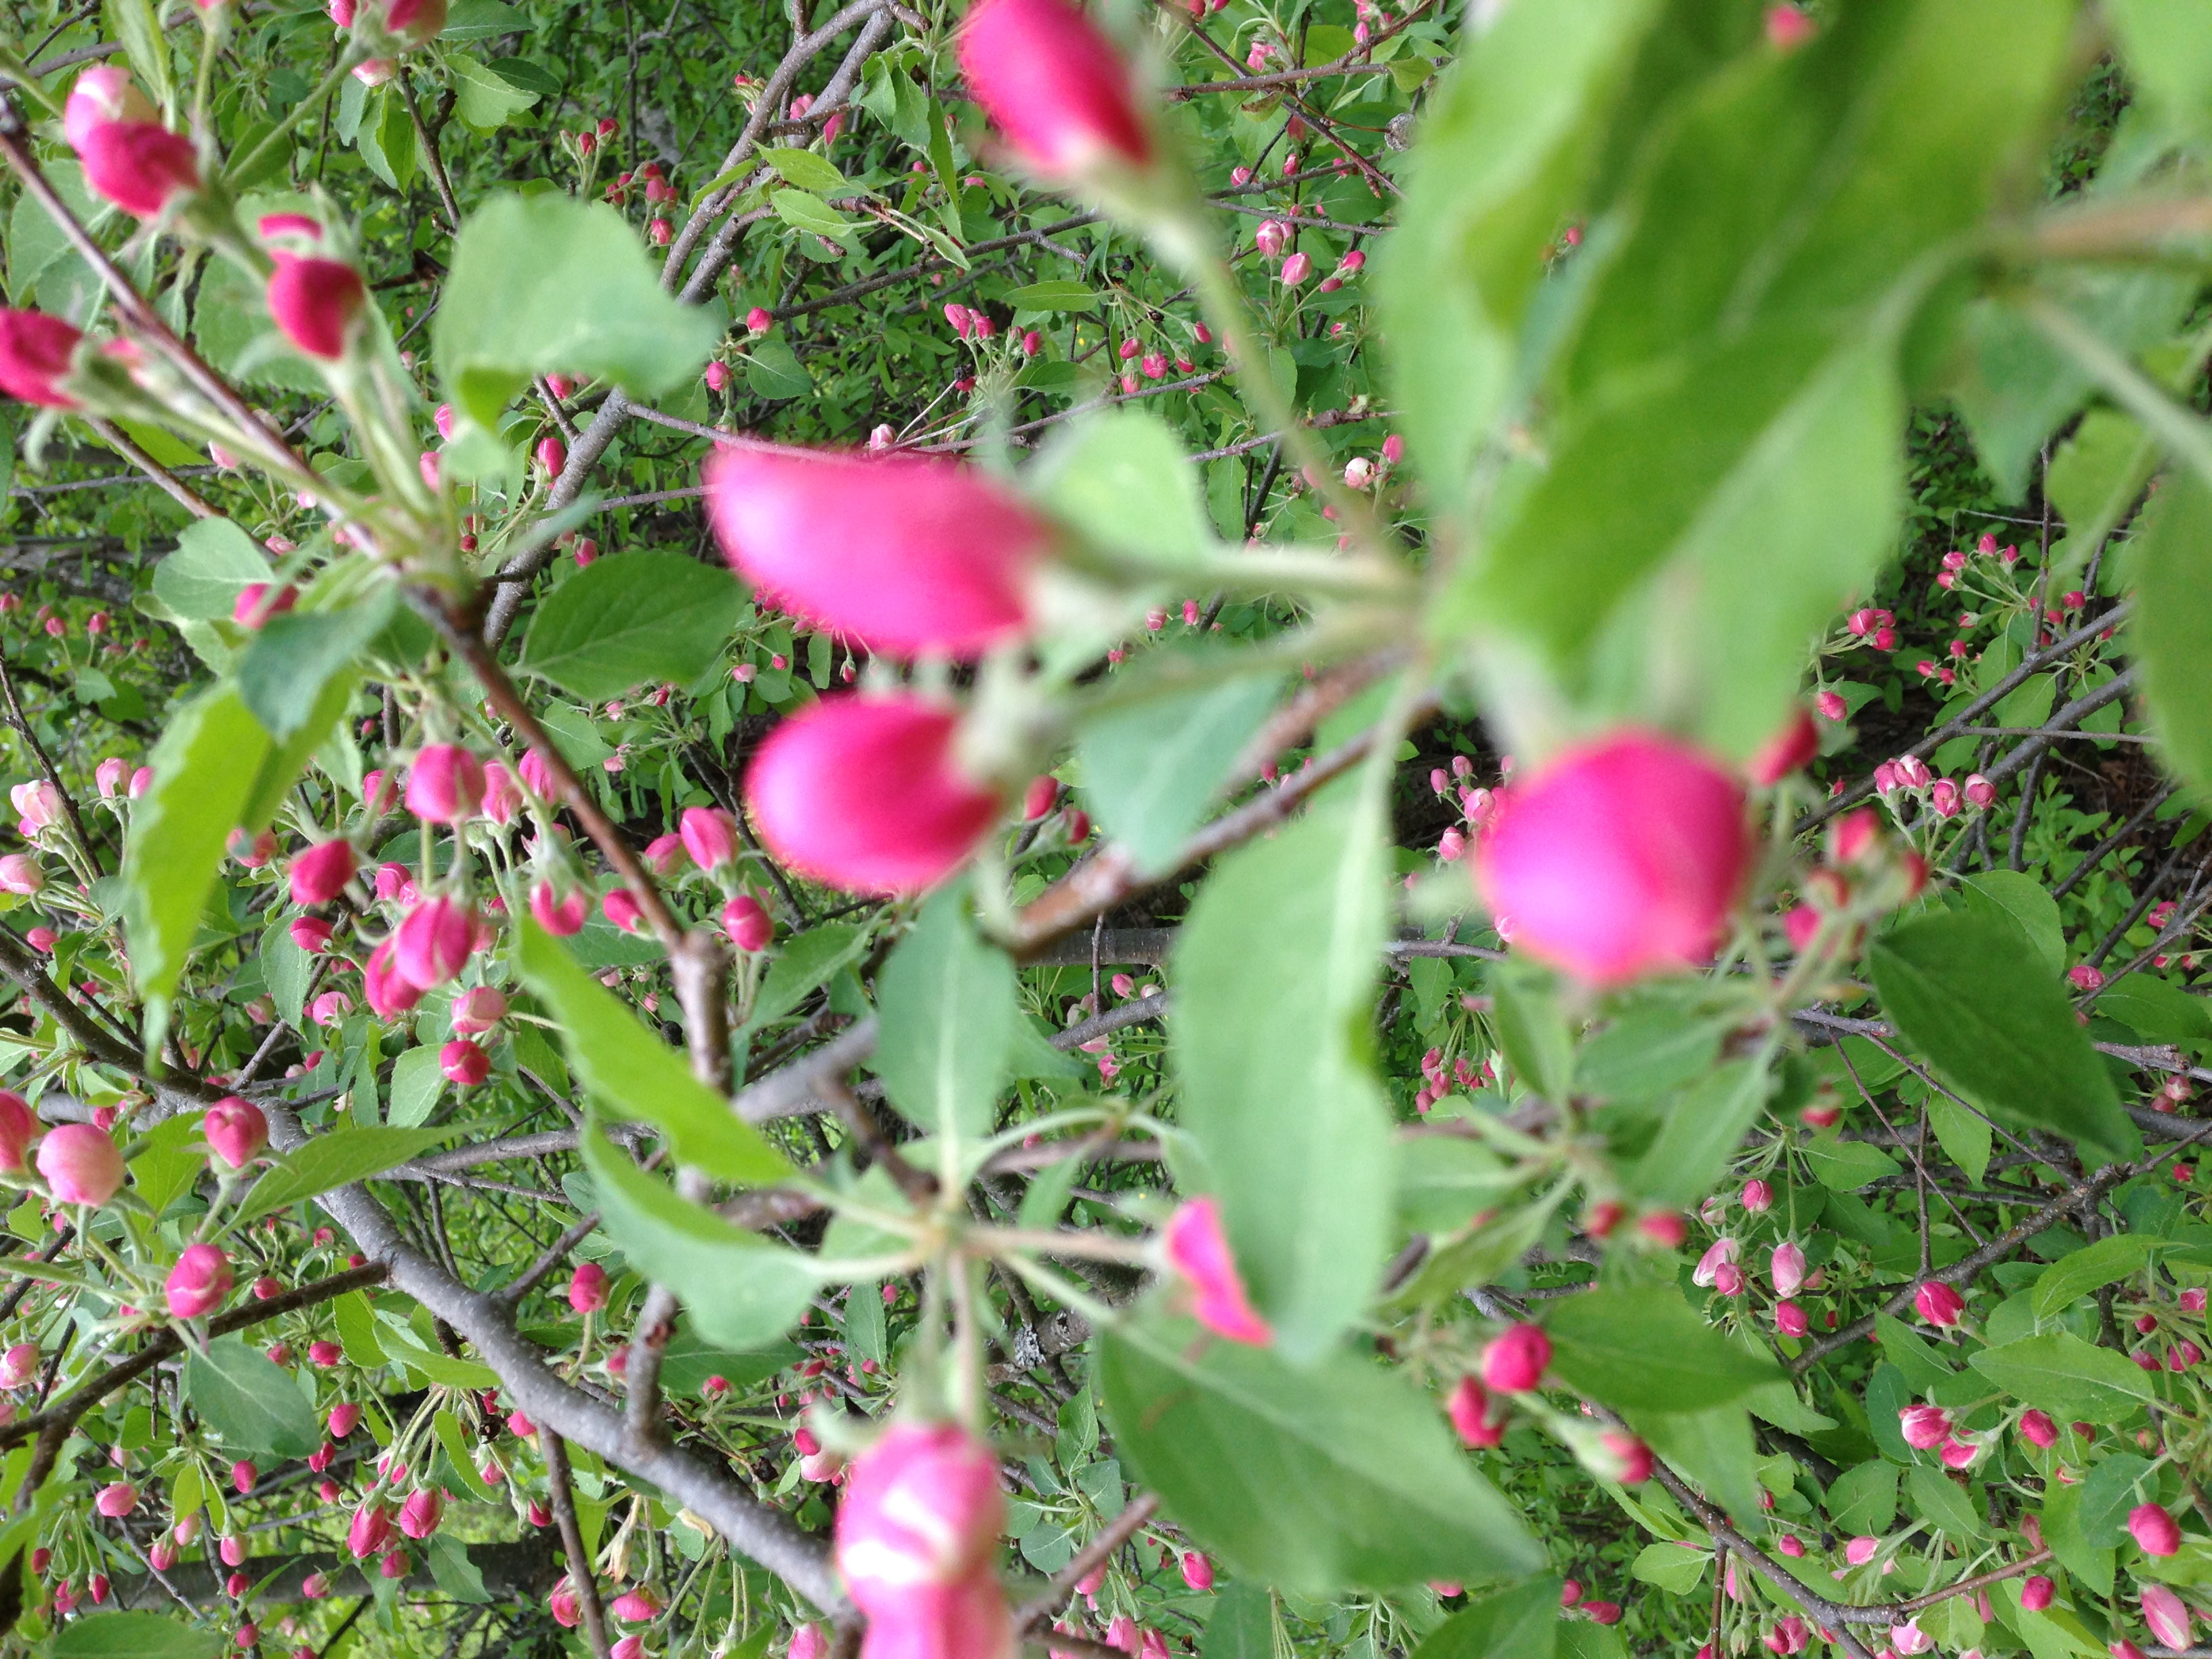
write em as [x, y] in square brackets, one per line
[481, 20]
[1154, 765]
[357, 1330]
[455, 1573]
[773, 371]
[1312, 1478]
[743, 1290]
[288, 971]
[805, 169]
[387, 139]
[205, 768]
[1273, 979]
[2170, 559]
[1054, 296]
[1702, 1133]
[1242, 1625]
[1647, 1054]
[166, 1163]
[447, 1428]
[2011, 896]
[1715, 1449]
[803, 963]
[1996, 1024]
[214, 561]
[1648, 1349]
[1942, 1504]
[1846, 1165]
[2091, 1268]
[634, 619]
[804, 211]
[335, 1157]
[484, 98]
[2096, 477]
[1122, 480]
[285, 669]
[135, 1635]
[2158, 1011]
[1672, 1567]
[1964, 1136]
[248, 1401]
[1520, 1623]
[632, 1070]
[546, 282]
[1507, 141]
[2062, 1528]
[689, 1359]
[2114, 1486]
[946, 1004]
[2059, 1373]
[417, 1079]
[1442, 1180]
[436, 1366]
[2168, 47]
[1864, 1499]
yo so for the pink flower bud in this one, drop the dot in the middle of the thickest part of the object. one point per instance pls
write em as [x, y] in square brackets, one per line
[324, 1356]
[19, 1127]
[464, 1063]
[478, 1009]
[1040, 797]
[19, 872]
[1055, 86]
[1198, 1249]
[1939, 1305]
[236, 1130]
[1757, 1197]
[198, 1283]
[81, 1164]
[18, 1366]
[1790, 1318]
[620, 907]
[35, 354]
[1472, 1416]
[1271, 236]
[552, 454]
[559, 915]
[1515, 1361]
[446, 785]
[1618, 860]
[2037, 1429]
[759, 321]
[371, 1529]
[2154, 1531]
[587, 1288]
[1787, 1268]
[1197, 1572]
[637, 1606]
[1719, 1254]
[503, 796]
[1796, 744]
[433, 942]
[1925, 1426]
[2085, 977]
[750, 927]
[1296, 269]
[420, 1514]
[2167, 1615]
[902, 553]
[921, 1515]
[129, 156]
[116, 1499]
[864, 793]
[244, 1475]
[314, 302]
[320, 873]
[710, 837]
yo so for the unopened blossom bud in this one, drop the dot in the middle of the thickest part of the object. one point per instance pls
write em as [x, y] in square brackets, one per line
[1197, 1572]
[1797, 743]
[1198, 1249]
[343, 1419]
[314, 301]
[1296, 269]
[19, 1365]
[1757, 1197]
[867, 794]
[198, 1283]
[637, 1607]
[1270, 237]
[1719, 1254]
[750, 927]
[324, 1356]
[81, 1163]
[1925, 1426]
[116, 1499]
[478, 1009]
[2154, 1531]
[1939, 1305]
[1786, 1267]
[371, 1529]
[1515, 1361]
[1055, 87]
[2038, 1429]
[35, 354]
[552, 454]
[1979, 791]
[446, 785]
[1040, 797]
[1630, 1458]
[1790, 1318]
[319, 874]
[1943, 798]
[1619, 858]
[130, 158]
[902, 553]
[587, 1288]
[710, 837]
[420, 1514]
[19, 1127]
[433, 942]
[921, 1516]
[243, 1476]
[19, 872]
[2085, 977]
[464, 1063]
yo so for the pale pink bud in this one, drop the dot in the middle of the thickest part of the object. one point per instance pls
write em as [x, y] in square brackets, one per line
[1618, 860]
[750, 927]
[1925, 1426]
[902, 553]
[710, 837]
[1198, 1249]
[559, 915]
[116, 1499]
[921, 1513]
[1296, 269]
[1757, 1197]
[20, 873]
[1786, 1267]
[1719, 1254]
[446, 785]
[81, 1163]
[236, 1130]
[478, 1009]
[18, 1366]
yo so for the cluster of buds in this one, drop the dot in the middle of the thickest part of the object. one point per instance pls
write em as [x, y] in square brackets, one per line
[1360, 473]
[1876, 628]
[1908, 777]
[1464, 1074]
[916, 1535]
[1476, 805]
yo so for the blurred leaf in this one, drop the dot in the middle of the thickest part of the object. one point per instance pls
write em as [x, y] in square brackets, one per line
[2157, 1011]
[285, 668]
[1054, 296]
[249, 1401]
[1997, 1026]
[743, 1290]
[633, 619]
[1151, 766]
[2077, 1273]
[1273, 977]
[805, 169]
[485, 99]
[2011, 896]
[1123, 480]
[804, 963]
[134, 1635]
[335, 1157]
[632, 1070]
[1702, 1131]
[2167, 44]
[481, 20]
[1648, 1350]
[1846, 1165]
[548, 283]
[1241, 1626]
[417, 1079]
[1312, 1478]
[214, 563]
[946, 1007]
[2170, 560]
[1520, 1623]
